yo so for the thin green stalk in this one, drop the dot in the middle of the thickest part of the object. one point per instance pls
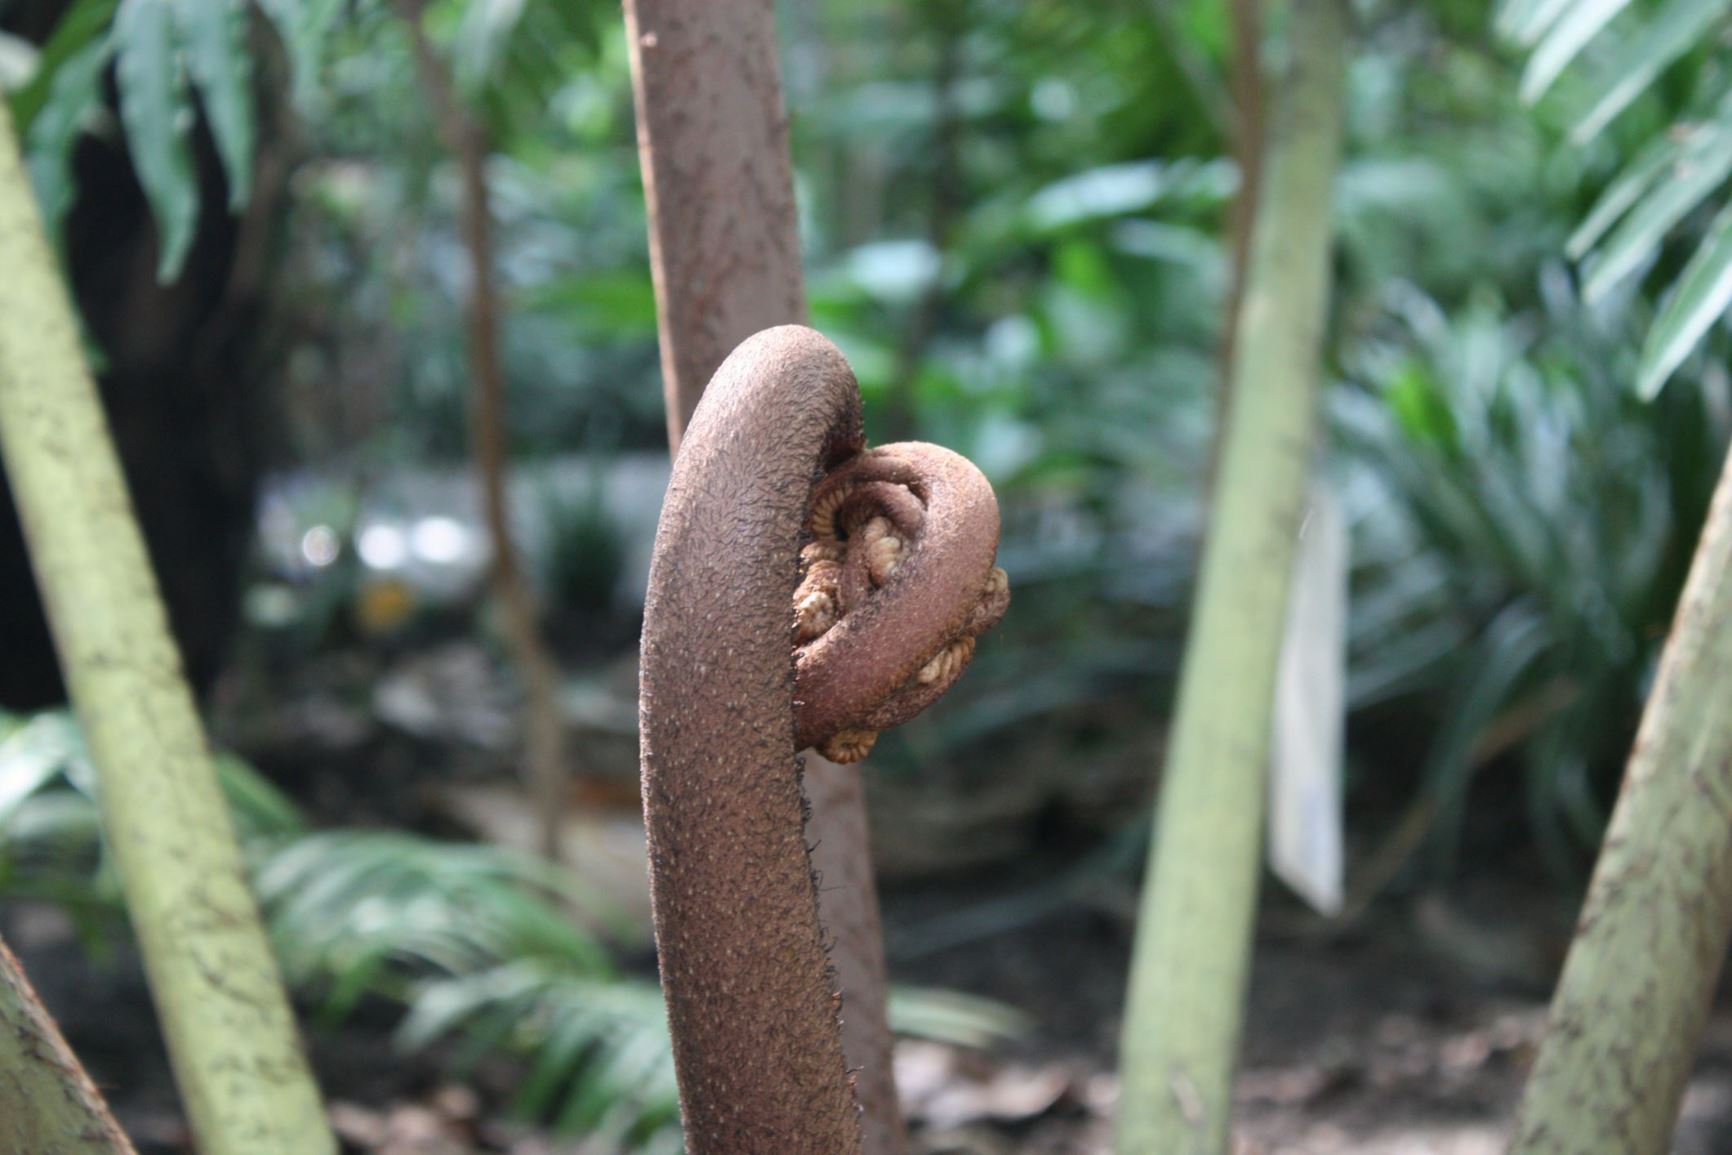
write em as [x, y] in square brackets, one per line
[1189, 969]
[48, 1105]
[1641, 973]
[231, 1035]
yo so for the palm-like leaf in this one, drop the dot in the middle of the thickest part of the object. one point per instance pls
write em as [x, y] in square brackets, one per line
[1579, 23]
[212, 36]
[1660, 189]
[154, 107]
[166, 52]
[305, 27]
[478, 944]
[447, 929]
[1639, 60]
[1700, 167]
[348, 907]
[1520, 519]
[1701, 297]
[85, 23]
[512, 56]
[601, 1058]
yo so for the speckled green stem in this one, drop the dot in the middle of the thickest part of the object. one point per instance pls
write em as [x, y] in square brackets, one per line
[48, 1105]
[1189, 968]
[1642, 970]
[231, 1035]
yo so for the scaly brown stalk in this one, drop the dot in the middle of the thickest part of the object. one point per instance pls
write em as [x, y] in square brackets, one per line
[724, 247]
[752, 1000]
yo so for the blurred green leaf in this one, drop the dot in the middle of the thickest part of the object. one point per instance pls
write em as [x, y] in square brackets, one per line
[214, 37]
[896, 272]
[618, 303]
[1498, 669]
[1701, 297]
[1673, 174]
[305, 27]
[157, 116]
[1674, 30]
[260, 809]
[1414, 400]
[482, 35]
[73, 99]
[1122, 189]
[84, 24]
[1525, 21]
[1514, 578]
[525, 56]
[951, 1017]
[1630, 185]
[31, 755]
[1701, 167]
[1580, 23]
[345, 906]
[600, 1045]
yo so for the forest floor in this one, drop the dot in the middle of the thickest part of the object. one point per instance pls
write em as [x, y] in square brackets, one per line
[1410, 1034]
[1373, 1041]
[1407, 1032]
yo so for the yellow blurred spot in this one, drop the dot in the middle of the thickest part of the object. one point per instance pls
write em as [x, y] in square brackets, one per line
[384, 605]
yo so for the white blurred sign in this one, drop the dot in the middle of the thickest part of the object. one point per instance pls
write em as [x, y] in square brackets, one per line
[1305, 761]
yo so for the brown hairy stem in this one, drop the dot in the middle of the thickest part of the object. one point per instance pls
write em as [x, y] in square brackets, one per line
[751, 999]
[713, 145]
[752, 1002]
[838, 832]
[725, 254]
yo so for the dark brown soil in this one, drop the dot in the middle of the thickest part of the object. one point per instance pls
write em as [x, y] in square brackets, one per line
[1379, 1040]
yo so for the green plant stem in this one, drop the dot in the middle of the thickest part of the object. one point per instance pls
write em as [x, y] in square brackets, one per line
[1245, 80]
[1646, 958]
[230, 1032]
[1192, 955]
[48, 1105]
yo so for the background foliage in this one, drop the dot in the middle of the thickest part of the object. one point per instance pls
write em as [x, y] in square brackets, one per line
[1014, 214]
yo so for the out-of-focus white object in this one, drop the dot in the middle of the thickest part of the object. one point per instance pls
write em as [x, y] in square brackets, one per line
[424, 526]
[382, 547]
[19, 62]
[442, 540]
[320, 546]
[1305, 804]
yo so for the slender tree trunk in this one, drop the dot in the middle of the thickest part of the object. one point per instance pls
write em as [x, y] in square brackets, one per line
[543, 723]
[841, 842]
[1192, 956]
[725, 253]
[1245, 80]
[48, 1105]
[230, 1032]
[1642, 970]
